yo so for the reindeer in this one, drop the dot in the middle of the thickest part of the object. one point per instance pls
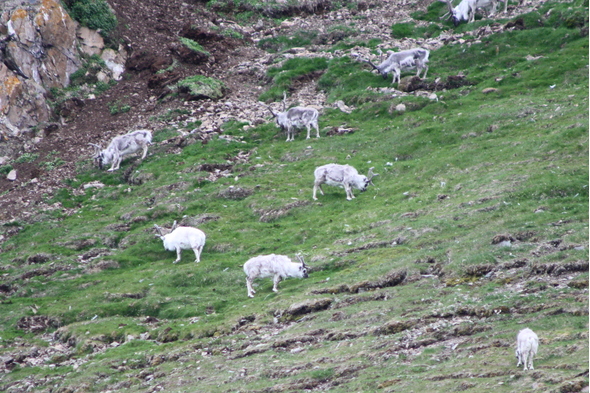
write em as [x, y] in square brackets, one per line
[343, 176]
[397, 62]
[122, 146]
[297, 117]
[465, 10]
[278, 267]
[527, 344]
[182, 238]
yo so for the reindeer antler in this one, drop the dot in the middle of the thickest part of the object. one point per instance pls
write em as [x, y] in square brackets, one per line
[371, 175]
[367, 61]
[284, 101]
[450, 13]
[98, 148]
[300, 258]
[271, 111]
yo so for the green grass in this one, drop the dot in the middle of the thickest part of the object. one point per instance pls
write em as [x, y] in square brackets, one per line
[94, 14]
[292, 69]
[193, 45]
[453, 174]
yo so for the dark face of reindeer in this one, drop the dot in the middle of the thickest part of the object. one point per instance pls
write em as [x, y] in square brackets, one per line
[303, 271]
[456, 20]
[366, 182]
[99, 159]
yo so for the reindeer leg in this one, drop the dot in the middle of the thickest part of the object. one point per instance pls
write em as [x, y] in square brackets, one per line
[178, 251]
[251, 290]
[317, 186]
[145, 149]
[197, 251]
[308, 130]
[317, 129]
[276, 280]
[348, 189]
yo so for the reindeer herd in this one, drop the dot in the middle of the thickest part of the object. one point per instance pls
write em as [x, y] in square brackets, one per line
[279, 267]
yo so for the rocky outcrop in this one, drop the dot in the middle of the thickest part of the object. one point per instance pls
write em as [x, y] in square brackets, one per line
[40, 48]
[38, 52]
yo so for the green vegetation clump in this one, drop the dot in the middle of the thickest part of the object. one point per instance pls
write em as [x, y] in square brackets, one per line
[117, 107]
[193, 45]
[94, 14]
[433, 12]
[5, 169]
[281, 43]
[409, 29]
[26, 157]
[291, 70]
[199, 86]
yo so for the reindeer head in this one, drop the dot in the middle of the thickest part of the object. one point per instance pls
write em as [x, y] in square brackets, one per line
[161, 232]
[98, 156]
[366, 180]
[384, 74]
[303, 268]
[280, 117]
[453, 13]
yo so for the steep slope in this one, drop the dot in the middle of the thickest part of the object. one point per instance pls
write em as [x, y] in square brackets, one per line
[476, 226]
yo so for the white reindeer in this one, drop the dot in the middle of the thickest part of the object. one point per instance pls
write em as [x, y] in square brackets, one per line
[278, 267]
[465, 10]
[343, 176]
[122, 146]
[397, 62]
[297, 117]
[182, 238]
[527, 344]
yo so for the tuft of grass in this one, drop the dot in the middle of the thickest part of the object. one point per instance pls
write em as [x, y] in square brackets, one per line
[26, 157]
[193, 45]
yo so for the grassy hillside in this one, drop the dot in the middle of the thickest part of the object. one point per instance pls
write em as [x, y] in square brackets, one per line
[476, 227]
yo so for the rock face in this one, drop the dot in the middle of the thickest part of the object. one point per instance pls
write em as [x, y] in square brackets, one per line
[40, 47]
[38, 52]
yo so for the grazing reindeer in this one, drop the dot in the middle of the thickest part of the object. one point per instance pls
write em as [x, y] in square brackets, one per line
[297, 117]
[182, 238]
[527, 344]
[276, 266]
[122, 146]
[343, 176]
[397, 62]
[465, 10]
